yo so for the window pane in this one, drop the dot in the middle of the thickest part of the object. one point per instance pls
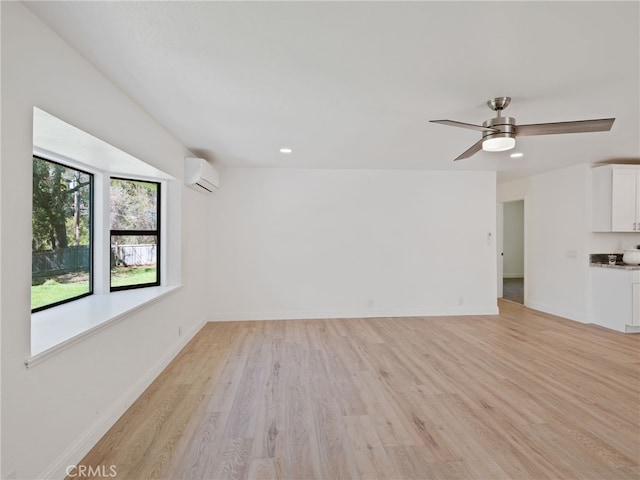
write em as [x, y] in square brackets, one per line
[61, 240]
[134, 205]
[134, 260]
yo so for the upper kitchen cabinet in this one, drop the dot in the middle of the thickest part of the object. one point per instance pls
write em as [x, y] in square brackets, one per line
[616, 198]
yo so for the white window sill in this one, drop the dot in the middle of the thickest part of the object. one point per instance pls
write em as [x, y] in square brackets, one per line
[57, 328]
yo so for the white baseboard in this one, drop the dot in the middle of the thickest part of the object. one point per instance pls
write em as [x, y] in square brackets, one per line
[513, 275]
[368, 313]
[82, 446]
[558, 312]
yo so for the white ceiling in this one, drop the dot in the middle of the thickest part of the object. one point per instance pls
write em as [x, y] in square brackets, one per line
[353, 84]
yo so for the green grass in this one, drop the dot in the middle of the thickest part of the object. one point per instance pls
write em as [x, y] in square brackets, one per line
[124, 276]
[53, 292]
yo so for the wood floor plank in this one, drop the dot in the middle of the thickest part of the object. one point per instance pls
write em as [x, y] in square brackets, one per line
[391, 424]
[231, 462]
[369, 454]
[520, 395]
[333, 449]
[270, 409]
[197, 450]
[266, 469]
[410, 464]
[243, 414]
[298, 446]
[495, 441]
[347, 394]
[470, 445]
[433, 446]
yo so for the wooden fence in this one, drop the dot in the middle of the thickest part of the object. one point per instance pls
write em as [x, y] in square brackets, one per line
[133, 255]
[77, 259]
[59, 262]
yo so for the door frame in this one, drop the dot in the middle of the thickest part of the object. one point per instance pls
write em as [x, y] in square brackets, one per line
[500, 246]
[500, 243]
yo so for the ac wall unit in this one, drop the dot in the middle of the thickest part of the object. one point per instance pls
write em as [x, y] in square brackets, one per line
[200, 175]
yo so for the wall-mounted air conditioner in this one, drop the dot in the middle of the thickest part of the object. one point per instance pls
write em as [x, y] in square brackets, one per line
[200, 175]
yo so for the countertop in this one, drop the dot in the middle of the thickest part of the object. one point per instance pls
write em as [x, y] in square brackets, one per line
[620, 266]
[602, 260]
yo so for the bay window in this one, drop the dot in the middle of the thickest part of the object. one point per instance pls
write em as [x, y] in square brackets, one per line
[100, 233]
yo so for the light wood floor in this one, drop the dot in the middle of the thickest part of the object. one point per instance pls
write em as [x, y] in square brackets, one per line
[522, 395]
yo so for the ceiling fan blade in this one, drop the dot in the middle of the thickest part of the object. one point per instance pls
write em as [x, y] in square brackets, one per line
[578, 126]
[453, 123]
[475, 148]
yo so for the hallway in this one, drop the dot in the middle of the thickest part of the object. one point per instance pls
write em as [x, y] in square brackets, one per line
[513, 289]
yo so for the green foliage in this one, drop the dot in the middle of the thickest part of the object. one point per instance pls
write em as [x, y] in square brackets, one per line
[60, 207]
[134, 205]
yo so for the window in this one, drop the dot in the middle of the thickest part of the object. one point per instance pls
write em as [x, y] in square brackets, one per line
[61, 253]
[62, 239]
[108, 208]
[135, 234]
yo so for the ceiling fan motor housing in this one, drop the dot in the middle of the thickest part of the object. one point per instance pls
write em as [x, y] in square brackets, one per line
[502, 139]
[506, 125]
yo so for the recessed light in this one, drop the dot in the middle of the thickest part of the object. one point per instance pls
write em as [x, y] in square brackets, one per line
[516, 155]
[285, 150]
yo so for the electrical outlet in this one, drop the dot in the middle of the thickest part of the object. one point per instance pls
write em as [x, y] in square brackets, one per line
[460, 300]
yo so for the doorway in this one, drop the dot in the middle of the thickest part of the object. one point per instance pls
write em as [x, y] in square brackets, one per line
[511, 252]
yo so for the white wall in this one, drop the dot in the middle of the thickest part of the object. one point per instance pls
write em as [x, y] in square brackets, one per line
[344, 243]
[53, 412]
[513, 246]
[558, 239]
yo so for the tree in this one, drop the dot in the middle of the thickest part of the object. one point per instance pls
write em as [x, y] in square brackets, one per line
[134, 206]
[61, 206]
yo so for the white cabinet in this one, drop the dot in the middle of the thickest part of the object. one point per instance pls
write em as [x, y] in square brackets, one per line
[625, 211]
[635, 320]
[615, 298]
[616, 198]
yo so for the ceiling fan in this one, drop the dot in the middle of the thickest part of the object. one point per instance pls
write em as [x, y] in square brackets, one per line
[499, 133]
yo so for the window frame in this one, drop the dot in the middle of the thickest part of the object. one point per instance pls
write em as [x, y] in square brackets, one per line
[41, 156]
[157, 233]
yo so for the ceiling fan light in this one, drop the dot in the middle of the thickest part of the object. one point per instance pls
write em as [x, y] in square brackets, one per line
[498, 144]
